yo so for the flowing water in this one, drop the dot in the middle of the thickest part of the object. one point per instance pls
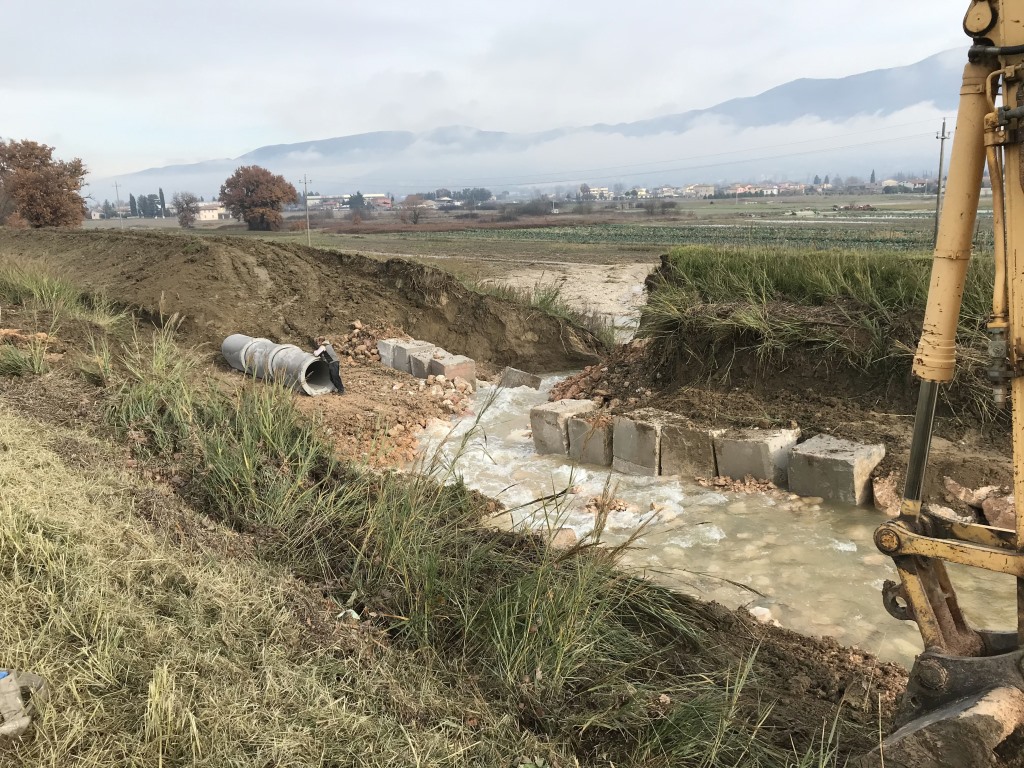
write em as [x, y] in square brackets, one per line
[812, 565]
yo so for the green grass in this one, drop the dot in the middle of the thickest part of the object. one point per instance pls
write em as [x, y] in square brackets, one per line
[574, 646]
[37, 290]
[163, 655]
[851, 310]
[210, 633]
[904, 236]
[15, 362]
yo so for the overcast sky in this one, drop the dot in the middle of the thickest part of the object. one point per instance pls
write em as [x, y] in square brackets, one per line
[130, 86]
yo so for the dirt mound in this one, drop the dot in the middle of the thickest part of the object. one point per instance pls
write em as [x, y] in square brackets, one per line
[291, 293]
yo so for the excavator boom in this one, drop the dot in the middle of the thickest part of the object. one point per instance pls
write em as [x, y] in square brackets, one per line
[966, 690]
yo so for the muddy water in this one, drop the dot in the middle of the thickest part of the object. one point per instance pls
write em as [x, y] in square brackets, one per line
[813, 566]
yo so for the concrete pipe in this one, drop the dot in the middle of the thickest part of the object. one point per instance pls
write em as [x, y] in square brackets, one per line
[282, 363]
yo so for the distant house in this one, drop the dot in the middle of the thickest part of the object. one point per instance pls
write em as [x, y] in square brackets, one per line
[700, 190]
[212, 212]
[378, 200]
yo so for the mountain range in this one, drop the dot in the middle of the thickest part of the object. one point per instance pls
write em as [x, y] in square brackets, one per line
[880, 120]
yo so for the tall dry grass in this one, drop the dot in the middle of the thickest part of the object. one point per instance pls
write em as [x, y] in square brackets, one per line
[471, 646]
[851, 311]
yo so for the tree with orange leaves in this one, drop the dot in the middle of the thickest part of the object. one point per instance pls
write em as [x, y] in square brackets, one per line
[38, 191]
[255, 195]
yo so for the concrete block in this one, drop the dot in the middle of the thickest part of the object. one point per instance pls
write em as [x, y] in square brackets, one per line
[386, 350]
[688, 450]
[550, 424]
[590, 440]
[419, 363]
[513, 377]
[404, 349]
[636, 443]
[761, 453]
[451, 366]
[834, 469]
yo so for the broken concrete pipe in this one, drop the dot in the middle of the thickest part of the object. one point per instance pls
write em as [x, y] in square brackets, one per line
[285, 364]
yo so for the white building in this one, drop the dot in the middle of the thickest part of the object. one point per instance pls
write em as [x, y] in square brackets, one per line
[212, 212]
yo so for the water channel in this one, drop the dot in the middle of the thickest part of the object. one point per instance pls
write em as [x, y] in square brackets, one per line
[812, 565]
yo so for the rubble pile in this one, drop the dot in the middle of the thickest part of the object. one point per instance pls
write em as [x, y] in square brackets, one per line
[992, 505]
[359, 346]
[454, 394]
[614, 383]
[19, 338]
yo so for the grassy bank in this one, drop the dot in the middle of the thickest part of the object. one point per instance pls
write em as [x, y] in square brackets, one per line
[256, 601]
[547, 297]
[828, 314]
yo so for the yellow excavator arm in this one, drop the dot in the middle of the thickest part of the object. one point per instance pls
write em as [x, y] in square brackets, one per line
[967, 686]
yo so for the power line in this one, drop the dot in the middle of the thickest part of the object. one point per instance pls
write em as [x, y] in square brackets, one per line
[305, 199]
[117, 197]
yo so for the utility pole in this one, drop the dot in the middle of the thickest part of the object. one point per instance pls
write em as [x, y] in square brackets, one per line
[938, 191]
[117, 196]
[305, 199]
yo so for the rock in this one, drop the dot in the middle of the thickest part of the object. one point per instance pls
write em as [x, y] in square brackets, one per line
[513, 377]
[963, 733]
[564, 538]
[886, 496]
[764, 616]
[948, 514]
[999, 511]
[439, 378]
[357, 325]
[436, 391]
[967, 496]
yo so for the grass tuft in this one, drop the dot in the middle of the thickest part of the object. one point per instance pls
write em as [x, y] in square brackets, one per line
[849, 311]
[547, 297]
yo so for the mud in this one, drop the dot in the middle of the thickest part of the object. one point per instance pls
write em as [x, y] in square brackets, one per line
[973, 455]
[292, 293]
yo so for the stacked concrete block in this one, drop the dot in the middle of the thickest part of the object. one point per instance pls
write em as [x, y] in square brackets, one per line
[550, 424]
[636, 442]
[590, 440]
[386, 349]
[403, 350]
[419, 363]
[513, 377]
[763, 454]
[452, 366]
[834, 469]
[688, 450]
[422, 359]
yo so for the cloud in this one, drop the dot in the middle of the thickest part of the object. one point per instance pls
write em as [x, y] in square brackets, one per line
[208, 79]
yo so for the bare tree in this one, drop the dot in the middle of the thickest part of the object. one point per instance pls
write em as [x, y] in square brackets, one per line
[187, 206]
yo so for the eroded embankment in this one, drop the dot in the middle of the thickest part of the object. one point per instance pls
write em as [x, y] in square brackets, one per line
[288, 292]
[766, 337]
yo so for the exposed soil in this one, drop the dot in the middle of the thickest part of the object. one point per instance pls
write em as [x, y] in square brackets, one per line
[290, 293]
